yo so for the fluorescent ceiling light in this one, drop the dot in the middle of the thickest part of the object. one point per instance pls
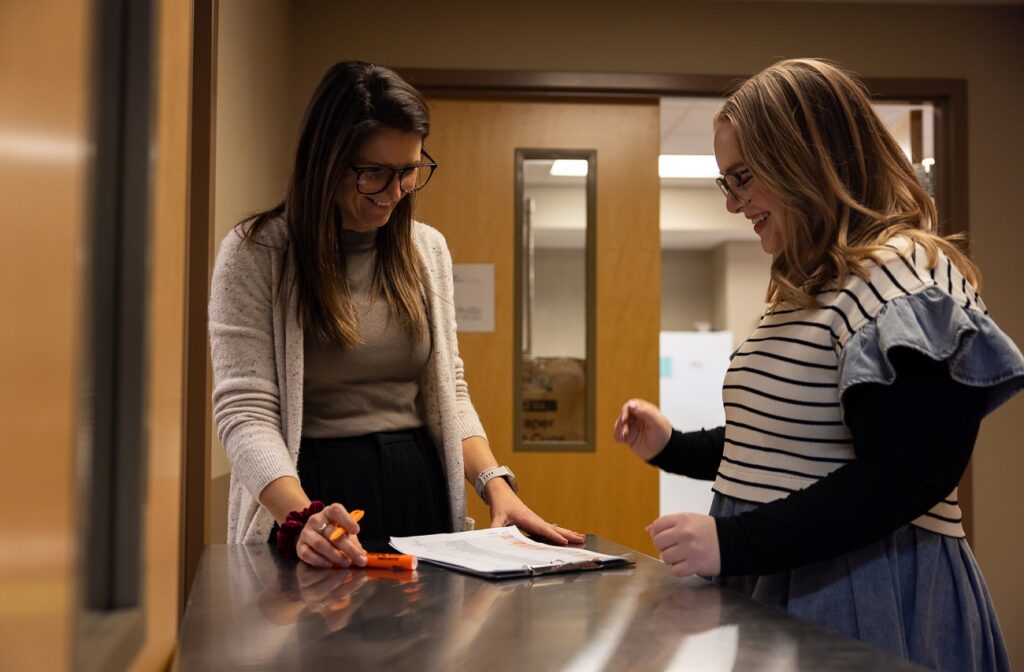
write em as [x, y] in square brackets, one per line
[569, 167]
[687, 165]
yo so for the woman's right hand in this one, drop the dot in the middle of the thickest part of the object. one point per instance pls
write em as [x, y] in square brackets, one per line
[315, 547]
[643, 427]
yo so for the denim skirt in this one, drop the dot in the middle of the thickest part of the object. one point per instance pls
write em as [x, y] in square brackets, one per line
[915, 594]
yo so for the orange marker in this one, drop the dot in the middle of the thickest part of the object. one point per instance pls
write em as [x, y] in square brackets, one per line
[391, 561]
[339, 532]
[402, 578]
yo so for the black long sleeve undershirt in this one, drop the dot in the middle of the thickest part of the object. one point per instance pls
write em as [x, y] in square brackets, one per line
[693, 454]
[912, 440]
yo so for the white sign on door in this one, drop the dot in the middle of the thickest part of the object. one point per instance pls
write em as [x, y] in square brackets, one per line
[474, 297]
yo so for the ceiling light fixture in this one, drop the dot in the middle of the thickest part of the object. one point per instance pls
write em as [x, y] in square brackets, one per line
[569, 168]
[687, 166]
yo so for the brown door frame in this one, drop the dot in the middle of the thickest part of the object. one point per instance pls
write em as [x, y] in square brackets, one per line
[948, 95]
[195, 468]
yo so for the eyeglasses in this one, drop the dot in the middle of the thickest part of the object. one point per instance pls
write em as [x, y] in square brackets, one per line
[375, 179]
[736, 184]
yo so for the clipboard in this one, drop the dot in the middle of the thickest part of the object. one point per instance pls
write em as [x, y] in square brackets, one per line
[503, 553]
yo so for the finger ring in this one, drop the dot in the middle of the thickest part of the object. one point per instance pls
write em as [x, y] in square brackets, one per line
[322, 528]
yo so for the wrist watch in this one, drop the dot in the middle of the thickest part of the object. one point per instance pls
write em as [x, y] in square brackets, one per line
[487, 474]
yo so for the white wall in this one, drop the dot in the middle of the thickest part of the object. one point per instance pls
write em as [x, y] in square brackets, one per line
[699, 206]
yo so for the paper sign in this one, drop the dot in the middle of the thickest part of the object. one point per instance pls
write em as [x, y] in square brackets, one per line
[474, 297]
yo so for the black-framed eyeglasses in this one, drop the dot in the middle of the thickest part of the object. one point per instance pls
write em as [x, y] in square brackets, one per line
[735, 184]
[375, 179]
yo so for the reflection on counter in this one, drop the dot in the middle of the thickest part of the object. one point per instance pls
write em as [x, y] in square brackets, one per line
[251, 609]
[333, 595]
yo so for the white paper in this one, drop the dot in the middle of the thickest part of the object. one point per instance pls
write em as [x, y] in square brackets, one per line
[496, 550]
[474, 297]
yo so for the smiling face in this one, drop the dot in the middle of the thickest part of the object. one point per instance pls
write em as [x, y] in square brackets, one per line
[765, 212]
[387, 148]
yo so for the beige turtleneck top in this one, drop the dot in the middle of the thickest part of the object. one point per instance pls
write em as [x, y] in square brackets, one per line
[372, 386]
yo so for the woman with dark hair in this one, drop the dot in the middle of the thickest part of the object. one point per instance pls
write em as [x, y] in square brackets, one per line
[853, 408]
[337, 379]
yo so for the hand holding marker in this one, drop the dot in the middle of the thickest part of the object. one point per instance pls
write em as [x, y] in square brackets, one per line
[339, 532]
[381, 560]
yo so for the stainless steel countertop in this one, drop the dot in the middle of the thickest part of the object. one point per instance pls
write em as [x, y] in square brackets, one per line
[252, 610]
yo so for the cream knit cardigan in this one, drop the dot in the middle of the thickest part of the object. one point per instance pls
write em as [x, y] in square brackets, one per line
[256, 346]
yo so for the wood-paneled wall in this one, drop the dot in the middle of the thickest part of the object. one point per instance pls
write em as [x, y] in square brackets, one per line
[45, 142]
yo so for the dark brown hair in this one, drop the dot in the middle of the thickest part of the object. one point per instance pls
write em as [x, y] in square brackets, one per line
[806, 129]
[353, 100]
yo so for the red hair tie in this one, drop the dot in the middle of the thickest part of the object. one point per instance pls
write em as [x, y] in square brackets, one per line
[289, 531]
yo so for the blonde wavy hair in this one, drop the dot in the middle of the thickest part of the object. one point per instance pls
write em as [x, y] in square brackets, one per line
[807, 131]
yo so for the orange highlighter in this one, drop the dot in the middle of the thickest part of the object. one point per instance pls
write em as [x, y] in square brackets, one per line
[339, 532]
[379, 560]
[391, 561]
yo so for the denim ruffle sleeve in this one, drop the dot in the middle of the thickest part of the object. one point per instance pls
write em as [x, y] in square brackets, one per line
[933, 323]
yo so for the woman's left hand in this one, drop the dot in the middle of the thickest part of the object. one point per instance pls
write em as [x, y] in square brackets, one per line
[508, 509]
[688, 542]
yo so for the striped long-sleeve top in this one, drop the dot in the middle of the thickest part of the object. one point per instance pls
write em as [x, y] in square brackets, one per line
[784, 388]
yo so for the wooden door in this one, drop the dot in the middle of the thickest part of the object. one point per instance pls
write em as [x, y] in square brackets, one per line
[471, 200]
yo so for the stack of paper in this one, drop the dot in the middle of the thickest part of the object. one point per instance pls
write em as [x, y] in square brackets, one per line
[501, 552]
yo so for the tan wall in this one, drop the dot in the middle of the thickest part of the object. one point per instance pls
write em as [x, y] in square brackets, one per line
[742, 270]
[977, 43]
[254, 143]
[687, 289]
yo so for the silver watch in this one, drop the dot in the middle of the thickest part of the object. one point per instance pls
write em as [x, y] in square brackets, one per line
[487, 474]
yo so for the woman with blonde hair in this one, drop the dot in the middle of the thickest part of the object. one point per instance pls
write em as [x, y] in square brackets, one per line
[853, 408]
[337, 378]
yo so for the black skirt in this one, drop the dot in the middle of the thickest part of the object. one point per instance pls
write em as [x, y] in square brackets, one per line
[396, 478]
